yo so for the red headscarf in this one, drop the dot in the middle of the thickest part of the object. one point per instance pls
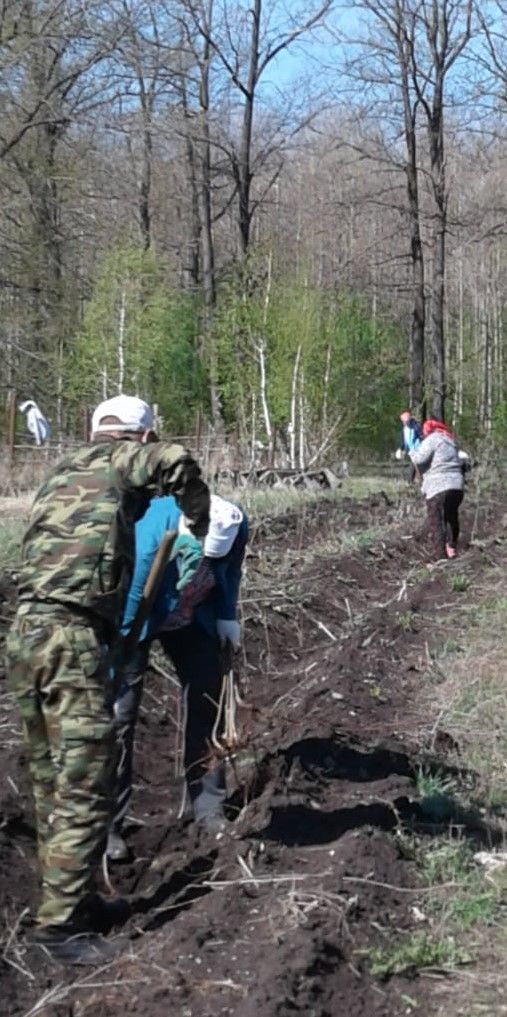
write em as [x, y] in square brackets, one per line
[430, 426]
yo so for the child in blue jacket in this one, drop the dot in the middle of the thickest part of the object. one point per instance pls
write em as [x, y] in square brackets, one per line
[193, 645]
[411, 434]
[410, 439]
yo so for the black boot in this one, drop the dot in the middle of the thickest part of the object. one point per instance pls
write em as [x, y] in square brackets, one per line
[100, 914]
[61, 944]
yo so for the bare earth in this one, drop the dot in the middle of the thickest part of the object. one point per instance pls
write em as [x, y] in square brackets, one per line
[279, 917]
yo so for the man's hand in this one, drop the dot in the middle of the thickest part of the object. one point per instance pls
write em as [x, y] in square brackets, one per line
[229, 631]
[188, 553]
[399, 453]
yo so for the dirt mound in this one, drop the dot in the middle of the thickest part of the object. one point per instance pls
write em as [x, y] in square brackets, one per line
[282, 914]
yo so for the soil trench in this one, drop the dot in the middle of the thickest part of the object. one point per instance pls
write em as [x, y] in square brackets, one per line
[280, 915]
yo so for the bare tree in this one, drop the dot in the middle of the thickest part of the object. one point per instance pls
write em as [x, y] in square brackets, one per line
[446, 27]
[411, 53]
[391, 46]
[244, 45]
[46, 51]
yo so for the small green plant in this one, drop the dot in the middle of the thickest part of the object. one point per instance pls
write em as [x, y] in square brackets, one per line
[496, 799]
[429, 785]
[458, 584]
[448, 862]
[405, 621]
[418, 952]
[478, 905]
[472, 900]
[419, 575]
[407, 845]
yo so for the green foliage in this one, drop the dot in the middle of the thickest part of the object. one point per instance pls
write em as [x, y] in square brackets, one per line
[473, 900]
[139, 336]
[459, 584]
[405, 621]
[350, 368]
[421, 950]
[430, 784]
[132, 314]
[446, 862]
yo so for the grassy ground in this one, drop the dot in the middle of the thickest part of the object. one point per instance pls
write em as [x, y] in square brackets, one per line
[473, 693]
[257, 503]
[463, 914]
[14, 512]
[11, 532]
[274, 501]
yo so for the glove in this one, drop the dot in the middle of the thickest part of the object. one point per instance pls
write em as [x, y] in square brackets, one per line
[187, 552]
[399, 453]
[229, 631]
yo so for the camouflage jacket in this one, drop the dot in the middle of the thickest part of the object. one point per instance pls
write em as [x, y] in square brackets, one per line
[78, 550]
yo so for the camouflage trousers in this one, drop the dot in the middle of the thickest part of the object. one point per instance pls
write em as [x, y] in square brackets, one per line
[56, 668]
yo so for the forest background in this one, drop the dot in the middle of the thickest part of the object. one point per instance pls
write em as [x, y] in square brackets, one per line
[285, 216]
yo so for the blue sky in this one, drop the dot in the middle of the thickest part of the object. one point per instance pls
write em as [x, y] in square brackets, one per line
[314, 53]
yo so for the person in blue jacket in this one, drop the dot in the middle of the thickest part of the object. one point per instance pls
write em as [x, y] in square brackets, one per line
[411, 435]
[193, 638]
[410, 439]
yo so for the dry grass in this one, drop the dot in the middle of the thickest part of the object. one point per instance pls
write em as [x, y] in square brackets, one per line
[25, 476]
[273, 501]
[470, 703]
[473, 695]
[11, 532]
[16, 506]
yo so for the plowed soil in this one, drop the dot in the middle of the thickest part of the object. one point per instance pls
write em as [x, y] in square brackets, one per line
[279, 916]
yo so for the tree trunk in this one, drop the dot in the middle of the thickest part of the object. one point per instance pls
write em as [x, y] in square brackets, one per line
[206, 228]
[402, 31]
[191, 262]
[293, 406]
[243, 169]
[438, 239]
[145, 184]
[418, 317]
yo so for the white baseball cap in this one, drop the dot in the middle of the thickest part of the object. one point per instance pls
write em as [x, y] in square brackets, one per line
[134, 414]
[224, 522]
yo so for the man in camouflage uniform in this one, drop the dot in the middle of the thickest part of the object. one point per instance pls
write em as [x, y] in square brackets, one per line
[78, 555]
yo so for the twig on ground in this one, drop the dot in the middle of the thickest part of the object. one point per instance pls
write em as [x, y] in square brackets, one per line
[164, 673]
[265, 880]
[399, 889]
[247, 870]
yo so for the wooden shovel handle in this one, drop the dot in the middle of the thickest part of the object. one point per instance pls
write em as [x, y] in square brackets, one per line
[151, 589]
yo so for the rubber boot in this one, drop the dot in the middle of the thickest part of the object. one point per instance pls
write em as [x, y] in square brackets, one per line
[208, 803]
[61, 944]
[116, 849]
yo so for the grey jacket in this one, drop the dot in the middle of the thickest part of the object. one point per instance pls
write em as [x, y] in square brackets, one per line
[438, 461]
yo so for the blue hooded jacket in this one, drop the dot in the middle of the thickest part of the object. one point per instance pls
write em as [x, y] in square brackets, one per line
[411, 436]
[164, 514]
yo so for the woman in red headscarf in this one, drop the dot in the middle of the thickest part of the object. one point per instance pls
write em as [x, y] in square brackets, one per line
[438, 460]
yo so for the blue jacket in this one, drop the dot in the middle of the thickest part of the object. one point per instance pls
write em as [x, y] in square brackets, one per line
[163, 514]
[411, 436]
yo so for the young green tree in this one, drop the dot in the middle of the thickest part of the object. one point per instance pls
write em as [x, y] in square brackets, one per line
[139, 337]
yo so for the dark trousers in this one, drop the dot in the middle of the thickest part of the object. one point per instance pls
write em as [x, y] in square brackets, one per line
[443, 520]
[196, 659]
